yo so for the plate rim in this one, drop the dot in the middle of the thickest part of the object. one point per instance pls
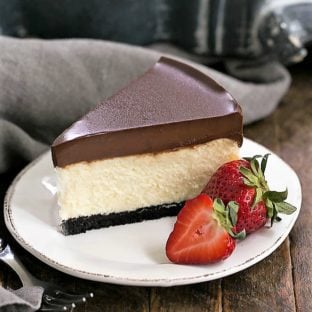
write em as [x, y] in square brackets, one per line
[130, 281]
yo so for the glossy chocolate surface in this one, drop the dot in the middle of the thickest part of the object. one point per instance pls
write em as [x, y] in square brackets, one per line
[171, 106]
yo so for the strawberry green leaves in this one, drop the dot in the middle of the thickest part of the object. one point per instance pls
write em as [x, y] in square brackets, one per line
[254, 177]
[227, 217]
[233, 210]
[274, 201]
[285, 208]
[264, 162]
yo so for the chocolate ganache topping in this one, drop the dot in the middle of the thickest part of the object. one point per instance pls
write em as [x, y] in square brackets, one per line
[171, 106]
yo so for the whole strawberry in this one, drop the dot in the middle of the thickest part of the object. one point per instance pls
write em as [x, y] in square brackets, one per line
[243, 181]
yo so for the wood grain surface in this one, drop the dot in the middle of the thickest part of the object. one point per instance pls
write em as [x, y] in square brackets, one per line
[281, 282]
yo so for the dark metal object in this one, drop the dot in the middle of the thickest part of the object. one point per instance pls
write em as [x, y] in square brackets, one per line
[224, 28]
[285, 30]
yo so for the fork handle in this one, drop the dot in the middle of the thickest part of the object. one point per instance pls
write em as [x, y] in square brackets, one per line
[7, 256]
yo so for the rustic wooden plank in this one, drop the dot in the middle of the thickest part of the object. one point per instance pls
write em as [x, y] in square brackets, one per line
[295, 120]
[117, 298]
[199, 297]
[267, 286]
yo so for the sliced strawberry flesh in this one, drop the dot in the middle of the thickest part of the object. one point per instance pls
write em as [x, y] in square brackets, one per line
[197, 236]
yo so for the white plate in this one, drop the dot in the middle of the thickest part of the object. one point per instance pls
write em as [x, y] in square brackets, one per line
[132, 254]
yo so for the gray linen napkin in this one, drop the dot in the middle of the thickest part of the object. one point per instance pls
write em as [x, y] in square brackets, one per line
[46, 85]
[25, 299]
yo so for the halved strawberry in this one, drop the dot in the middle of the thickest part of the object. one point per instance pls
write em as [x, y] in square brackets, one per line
[202, 232]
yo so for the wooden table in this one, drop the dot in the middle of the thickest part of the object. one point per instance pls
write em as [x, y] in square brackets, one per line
[281, 282]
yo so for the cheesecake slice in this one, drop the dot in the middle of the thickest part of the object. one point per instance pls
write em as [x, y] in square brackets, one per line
[144, 151]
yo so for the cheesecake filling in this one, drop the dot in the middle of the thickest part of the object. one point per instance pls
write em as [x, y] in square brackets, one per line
[132, 182]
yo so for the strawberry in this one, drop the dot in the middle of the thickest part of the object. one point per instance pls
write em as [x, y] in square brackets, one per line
[243, 181]
[202, 232]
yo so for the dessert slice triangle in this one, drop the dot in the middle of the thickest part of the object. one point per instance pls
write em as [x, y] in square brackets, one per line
[144, 151]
